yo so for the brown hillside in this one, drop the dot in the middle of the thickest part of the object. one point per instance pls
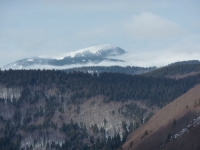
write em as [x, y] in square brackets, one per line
[154, 132]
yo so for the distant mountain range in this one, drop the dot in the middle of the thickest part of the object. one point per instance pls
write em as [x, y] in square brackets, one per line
[92, 55]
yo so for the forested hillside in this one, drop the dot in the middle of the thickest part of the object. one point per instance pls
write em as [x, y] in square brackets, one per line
[116, 86]
[189, 62]
[37, 107]
[180, 68]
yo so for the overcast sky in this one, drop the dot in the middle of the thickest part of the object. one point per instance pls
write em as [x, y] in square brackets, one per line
[153, 32]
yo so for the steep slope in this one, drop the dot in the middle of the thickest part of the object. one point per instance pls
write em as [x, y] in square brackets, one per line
[92, 55]
[168, 121]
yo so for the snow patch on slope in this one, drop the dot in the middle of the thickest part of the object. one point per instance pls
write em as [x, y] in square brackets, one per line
[29, 59]
[184, 130]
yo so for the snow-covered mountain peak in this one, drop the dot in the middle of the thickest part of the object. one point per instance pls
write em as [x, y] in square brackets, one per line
[104, 49]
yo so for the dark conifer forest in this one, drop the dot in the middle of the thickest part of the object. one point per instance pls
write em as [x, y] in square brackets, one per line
[116, 86]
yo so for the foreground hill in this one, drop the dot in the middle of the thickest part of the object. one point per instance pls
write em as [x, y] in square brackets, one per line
[170, 127]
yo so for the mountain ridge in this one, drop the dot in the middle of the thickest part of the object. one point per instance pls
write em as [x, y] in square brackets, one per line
[102, 50]
[176, 70]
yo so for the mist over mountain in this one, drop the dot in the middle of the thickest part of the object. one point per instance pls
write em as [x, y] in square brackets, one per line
[91, 55]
